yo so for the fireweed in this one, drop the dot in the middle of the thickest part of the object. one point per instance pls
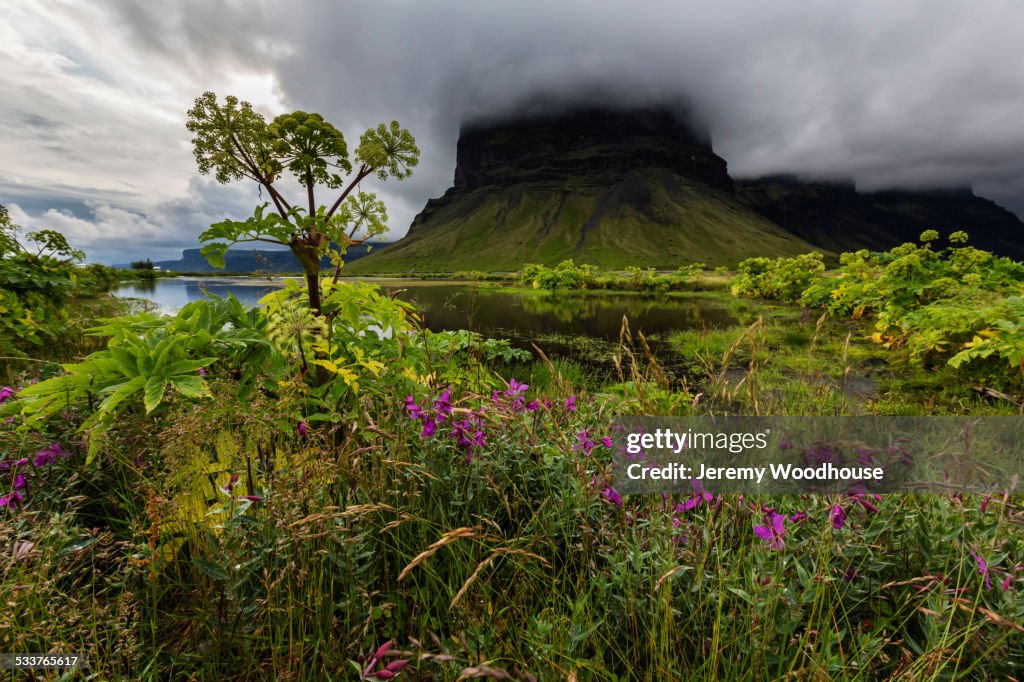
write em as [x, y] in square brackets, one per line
[468, 428]
[18, 475]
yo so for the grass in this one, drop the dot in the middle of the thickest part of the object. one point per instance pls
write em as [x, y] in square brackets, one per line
[518, 564]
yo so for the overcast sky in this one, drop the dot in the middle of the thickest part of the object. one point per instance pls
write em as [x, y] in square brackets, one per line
[887, 93]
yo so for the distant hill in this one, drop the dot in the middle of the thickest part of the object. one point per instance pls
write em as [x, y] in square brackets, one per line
[836, 217]
[252, 260]
[644, 187]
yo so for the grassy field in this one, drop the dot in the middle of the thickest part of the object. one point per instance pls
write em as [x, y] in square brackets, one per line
[199, 501]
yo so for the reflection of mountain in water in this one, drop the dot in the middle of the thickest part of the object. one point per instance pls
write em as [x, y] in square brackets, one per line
[530, 316]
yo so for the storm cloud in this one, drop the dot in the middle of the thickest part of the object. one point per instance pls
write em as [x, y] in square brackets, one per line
[920, 93]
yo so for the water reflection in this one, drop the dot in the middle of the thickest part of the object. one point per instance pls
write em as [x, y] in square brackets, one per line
[171, 295]
[566, 324]
[536, 314]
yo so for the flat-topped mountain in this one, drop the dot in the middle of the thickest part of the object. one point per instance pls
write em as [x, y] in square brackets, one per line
[253, 260]
[644, 187]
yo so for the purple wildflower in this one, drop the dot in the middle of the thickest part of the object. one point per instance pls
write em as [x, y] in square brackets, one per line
[19, 481]
[43, 458]
[532, 406]
[5, 394]
[570, 403]
[606, 441]
[56, 449]
[515, 388]
[469, 434]
[798, 517]
[983, 569]
[202, 371]
[700, 495]
[613, 496]
[584, 444]
[231, 482]
[389, 671]
[866, 503]
[303, 428]
[443, 405]
[9, 500]
[254, 498]
[837, 516]
[773, 530]
[414, 409]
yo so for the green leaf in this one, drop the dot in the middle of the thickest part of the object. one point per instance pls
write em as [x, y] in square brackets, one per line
[154, 395]
[214, 253]
[188, 366]
[191, 386]
[126, 362]
[121, 392]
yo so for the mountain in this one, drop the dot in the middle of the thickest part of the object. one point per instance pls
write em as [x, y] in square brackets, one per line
[253, 260]
[601, 186]
[836, 217]
[644, 187]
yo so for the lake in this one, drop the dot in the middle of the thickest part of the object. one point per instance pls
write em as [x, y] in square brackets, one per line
[583, 327]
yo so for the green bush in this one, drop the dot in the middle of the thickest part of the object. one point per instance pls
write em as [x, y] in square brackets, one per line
[960, 305]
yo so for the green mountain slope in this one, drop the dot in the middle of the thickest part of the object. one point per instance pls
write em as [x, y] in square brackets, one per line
[651, 217]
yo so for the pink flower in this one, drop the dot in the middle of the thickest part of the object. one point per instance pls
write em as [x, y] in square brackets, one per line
[570, 403]
[773, 530]
[983, 569]
[606, 441]
[414, 409]
[389, 671]
[613, 496]
[837, 516]
[700, 495]
[303, 428]
[584, 443]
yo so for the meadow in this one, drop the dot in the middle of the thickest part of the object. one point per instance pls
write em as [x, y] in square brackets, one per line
[270, 493]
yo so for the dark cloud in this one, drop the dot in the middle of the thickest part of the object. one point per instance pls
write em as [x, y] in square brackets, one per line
[919, 93]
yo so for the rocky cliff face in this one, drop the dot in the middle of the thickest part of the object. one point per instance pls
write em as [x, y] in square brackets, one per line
[644, 187]
[587, 146]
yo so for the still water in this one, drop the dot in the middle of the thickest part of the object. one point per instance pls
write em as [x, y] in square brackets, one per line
[562, 324]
